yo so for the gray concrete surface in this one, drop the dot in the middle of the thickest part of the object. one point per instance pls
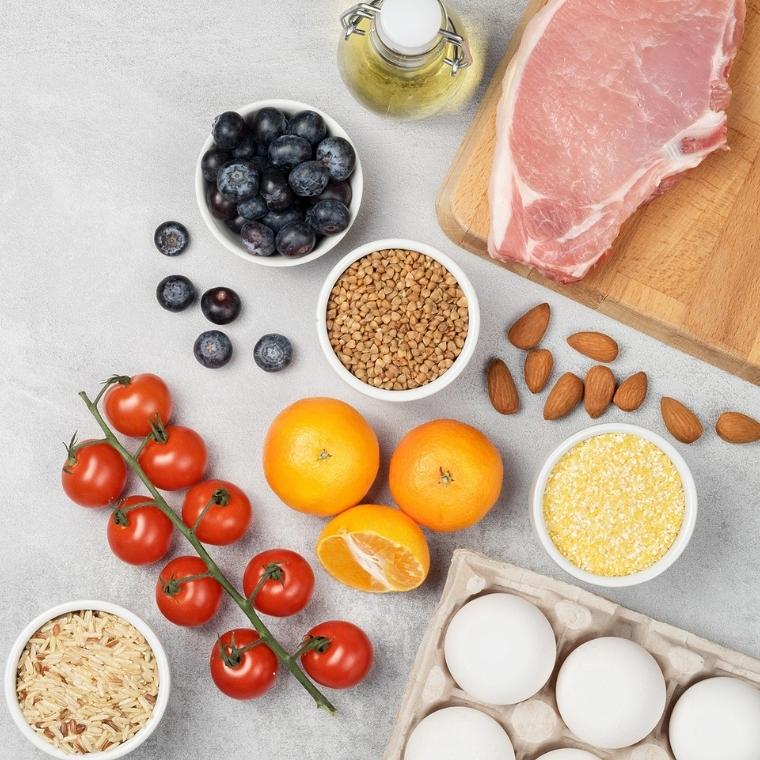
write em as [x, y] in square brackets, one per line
[104, 107]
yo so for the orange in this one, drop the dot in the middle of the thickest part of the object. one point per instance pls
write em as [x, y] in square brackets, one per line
[446, 475]
[374, 548]
[320, 456]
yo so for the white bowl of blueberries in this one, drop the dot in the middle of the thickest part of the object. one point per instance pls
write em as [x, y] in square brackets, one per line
[278, 182]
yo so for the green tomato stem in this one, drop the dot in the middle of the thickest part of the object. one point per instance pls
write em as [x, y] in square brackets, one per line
[266, 635]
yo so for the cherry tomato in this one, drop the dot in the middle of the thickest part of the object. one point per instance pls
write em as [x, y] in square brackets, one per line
[342, 655]
[177, 462]
[241, 668]
[290, 584]
[228, 517]
[94, 474]
[141, 535]
[133, 403]
[189, 603]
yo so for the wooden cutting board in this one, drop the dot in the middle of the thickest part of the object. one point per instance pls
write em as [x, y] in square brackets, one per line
[686, 268]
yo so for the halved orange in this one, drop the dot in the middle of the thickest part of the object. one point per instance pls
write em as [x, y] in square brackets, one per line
[374, 548]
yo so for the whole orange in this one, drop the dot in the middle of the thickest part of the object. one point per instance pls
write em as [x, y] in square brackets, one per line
[320, 456]
[446, 475]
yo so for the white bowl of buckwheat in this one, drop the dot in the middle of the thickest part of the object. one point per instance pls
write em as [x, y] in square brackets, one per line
[398, 320]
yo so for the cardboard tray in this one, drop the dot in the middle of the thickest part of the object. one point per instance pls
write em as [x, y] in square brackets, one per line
[534, 726]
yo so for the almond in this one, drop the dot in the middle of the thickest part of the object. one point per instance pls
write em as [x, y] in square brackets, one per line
[530, 328]
[735, 427]
[600, 387]
[538, 367]
[501, 388]
[632, 392]
[566, 394]
[682, 423]
[595, 345]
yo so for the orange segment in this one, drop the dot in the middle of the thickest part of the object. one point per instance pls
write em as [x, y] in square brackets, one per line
[374, 548]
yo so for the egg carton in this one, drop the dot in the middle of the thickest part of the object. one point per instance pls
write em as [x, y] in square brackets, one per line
[576, 615]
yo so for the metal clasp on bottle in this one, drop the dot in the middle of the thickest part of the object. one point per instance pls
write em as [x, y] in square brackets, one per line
[461, 58]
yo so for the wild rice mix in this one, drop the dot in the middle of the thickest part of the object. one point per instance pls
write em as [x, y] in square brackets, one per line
[614, 504]
[397, 319]
[87, 681]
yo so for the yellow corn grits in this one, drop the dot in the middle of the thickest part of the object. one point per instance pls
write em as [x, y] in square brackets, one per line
[614, 504]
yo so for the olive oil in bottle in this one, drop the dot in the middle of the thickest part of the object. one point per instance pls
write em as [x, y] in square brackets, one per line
[405, 58]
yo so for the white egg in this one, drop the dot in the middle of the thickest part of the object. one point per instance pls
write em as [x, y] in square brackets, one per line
[717, 718]
[610, 692]
[458, 733]
[568, 754]
[500, 649]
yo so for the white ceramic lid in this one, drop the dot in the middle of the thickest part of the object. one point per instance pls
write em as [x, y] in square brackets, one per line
[410, 27]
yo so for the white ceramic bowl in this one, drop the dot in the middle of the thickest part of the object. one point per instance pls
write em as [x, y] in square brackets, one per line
[164, 678]
[473, 330]
[230, 240]
[682, 540]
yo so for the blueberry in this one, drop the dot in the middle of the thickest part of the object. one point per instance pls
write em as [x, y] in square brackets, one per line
[338, 156]
[329, 217]
[309, 125]
[220, 305]
[218, 205]
[237, 181]
[212, 162]
[213, 349]
[236, 224]
[338, 191]
[273, 352]
[253, 209]
[171, 238]
[296, 239]
[287, 151]
[275, 189]
[246, 149]
[268, 124]
[228, 130]
[257, 239]
[175, 292]
[276, 220]
[309, 179]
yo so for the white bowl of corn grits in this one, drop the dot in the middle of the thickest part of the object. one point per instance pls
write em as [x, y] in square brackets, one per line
[397, 320]
[614, 505]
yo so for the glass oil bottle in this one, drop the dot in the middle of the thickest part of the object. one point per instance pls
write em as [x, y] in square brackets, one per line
[406, 59]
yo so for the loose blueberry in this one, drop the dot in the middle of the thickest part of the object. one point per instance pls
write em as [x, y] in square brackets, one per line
[171, 238]
[213, 349]
[287, 151]
[247, 149]
[275, 189]
[338, 191]
[296, 239]
[237, 181]
[220, 305]
[273, 352]
[218, 205]
[338, 156]
[276, 220]
[257, 239]
[309, 125]
[329, 217]
[228, 130]
[253, 209]
[268, 124]
[309, 179]
[236, 224]
[213, 160]
[175, 292]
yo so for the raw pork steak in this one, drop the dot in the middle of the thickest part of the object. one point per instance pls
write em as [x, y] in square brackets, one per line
[604, 104]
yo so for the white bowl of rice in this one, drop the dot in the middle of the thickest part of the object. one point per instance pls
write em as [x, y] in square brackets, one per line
[87, 678]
